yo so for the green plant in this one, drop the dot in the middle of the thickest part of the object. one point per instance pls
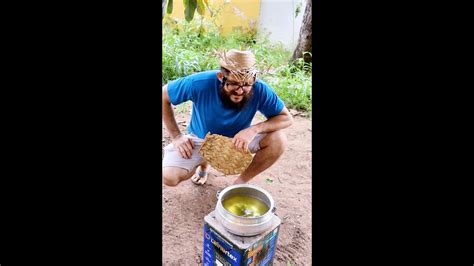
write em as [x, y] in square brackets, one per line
[190, 7]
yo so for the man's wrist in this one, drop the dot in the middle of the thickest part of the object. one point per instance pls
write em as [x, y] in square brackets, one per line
[176, 136]
[257, 128]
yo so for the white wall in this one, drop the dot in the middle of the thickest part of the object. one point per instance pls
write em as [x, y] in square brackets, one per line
[277, 18]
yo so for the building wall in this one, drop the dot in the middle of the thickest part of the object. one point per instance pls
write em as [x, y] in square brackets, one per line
[275, 19]
[279, 22]
[233, 14]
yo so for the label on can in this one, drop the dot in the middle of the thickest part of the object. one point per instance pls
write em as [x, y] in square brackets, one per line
[217, 251]
[261, 253]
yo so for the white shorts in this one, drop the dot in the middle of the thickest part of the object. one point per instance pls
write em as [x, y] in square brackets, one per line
[172, 158]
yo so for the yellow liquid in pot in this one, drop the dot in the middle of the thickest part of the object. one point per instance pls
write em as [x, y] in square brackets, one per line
[245, 206]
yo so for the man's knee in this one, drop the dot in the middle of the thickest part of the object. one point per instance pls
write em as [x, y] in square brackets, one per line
[172, 175]
[277, 141]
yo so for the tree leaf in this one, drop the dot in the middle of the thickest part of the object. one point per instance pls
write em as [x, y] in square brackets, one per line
[189, 9]
[169, 9]
[200, 7]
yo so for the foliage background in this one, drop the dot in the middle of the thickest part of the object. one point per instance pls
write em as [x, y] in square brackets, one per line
[189, 47]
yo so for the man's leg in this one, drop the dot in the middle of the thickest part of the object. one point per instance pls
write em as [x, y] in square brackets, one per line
[172, 176]
[177, 169]
[272, 146]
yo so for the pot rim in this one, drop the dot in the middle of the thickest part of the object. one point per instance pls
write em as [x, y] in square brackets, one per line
[266, 193]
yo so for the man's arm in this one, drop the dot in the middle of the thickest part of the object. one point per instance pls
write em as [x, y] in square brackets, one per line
[280, 121]
[184, 145]
[168, 115]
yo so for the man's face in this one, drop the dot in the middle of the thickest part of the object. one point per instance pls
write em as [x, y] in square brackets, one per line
[236, 94]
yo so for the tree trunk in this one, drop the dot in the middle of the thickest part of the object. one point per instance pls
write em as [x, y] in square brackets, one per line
[306, 34]
[163, 7]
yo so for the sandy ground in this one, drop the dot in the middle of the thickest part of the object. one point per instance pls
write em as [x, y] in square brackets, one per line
[186, 205]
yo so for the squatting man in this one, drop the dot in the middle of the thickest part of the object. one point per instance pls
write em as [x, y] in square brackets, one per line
[223, 102]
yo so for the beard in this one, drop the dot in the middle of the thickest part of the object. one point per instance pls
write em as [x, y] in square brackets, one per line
[228, 103]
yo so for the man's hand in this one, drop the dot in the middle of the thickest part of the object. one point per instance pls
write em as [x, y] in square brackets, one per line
[242, 140]
[184, 145]
[239, 181]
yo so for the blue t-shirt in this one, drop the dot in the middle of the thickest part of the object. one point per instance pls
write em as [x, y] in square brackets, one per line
[209, 113]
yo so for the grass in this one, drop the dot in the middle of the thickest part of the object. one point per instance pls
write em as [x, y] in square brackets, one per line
[189, 48]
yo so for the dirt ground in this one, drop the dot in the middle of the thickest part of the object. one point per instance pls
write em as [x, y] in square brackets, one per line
[186, 205]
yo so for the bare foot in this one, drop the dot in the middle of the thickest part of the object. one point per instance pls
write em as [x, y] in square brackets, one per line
[200, 177]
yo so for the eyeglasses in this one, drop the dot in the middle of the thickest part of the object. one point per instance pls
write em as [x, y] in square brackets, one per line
[233, 86]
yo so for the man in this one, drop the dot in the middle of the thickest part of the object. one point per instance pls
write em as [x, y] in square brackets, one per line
[224, 103]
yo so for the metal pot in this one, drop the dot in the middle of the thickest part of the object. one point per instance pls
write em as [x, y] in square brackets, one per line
[245, 226]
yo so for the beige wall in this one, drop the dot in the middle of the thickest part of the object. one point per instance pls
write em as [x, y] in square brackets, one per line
[234, 13]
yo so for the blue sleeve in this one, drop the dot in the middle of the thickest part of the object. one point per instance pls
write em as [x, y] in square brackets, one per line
[270, 104]
[181, 90]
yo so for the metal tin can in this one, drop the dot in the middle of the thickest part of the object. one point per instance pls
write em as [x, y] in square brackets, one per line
[245, 226]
